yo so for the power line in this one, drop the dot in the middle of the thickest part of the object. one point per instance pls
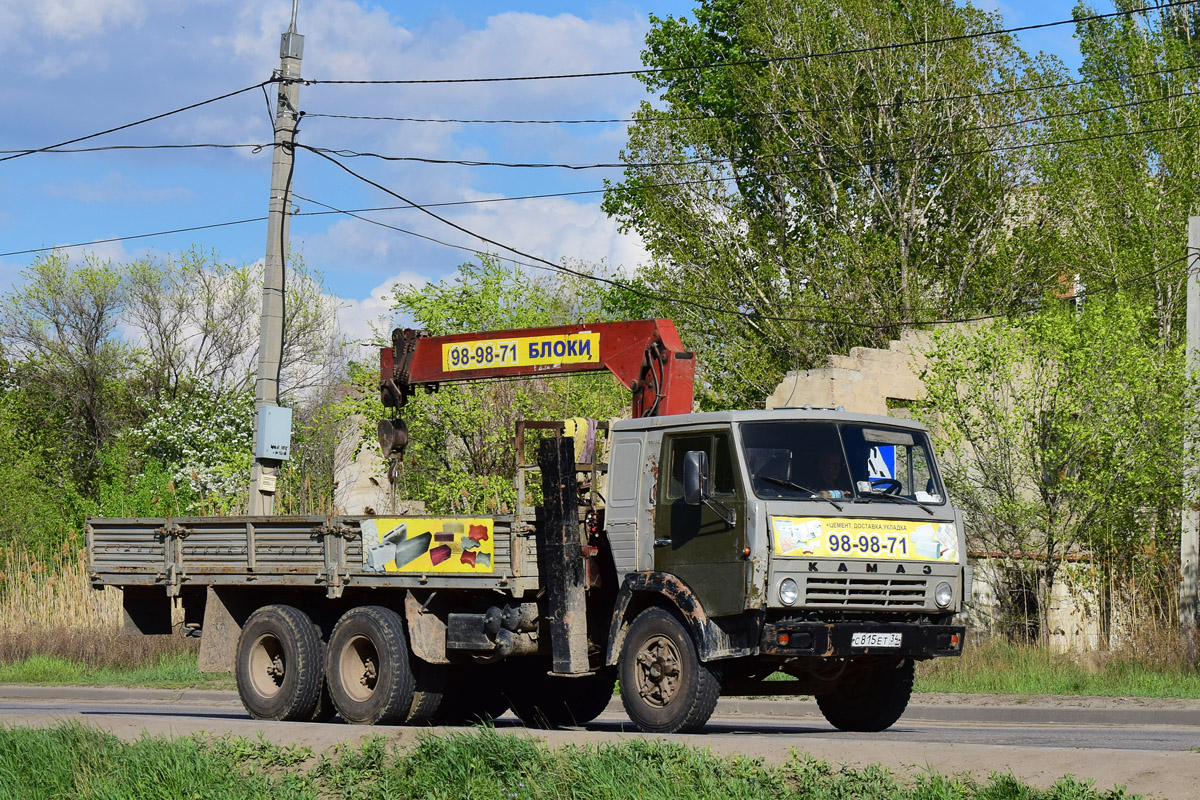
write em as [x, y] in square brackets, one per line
[136, 123]
[770, 113]
[131, 237]
[768, 60]
[550, 195]
[358, 216]
[650, 295]
[343, 153]
[186, 146]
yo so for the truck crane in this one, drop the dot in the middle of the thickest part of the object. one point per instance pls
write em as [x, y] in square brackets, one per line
[727, 546]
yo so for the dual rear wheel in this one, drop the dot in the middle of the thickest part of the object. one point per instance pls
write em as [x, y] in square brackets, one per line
[285, 672]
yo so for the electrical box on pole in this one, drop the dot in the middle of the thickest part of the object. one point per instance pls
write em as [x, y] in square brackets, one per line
[265, 470]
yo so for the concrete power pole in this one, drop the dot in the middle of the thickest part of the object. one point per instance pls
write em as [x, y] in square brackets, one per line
[1189, 538]
[272, 435]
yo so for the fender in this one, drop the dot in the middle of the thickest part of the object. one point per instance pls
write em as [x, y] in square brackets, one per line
[712, 640]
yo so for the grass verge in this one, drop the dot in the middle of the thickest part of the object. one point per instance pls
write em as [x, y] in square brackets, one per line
[76, 762]
[999, 667]
[991, 667]
[176, 671]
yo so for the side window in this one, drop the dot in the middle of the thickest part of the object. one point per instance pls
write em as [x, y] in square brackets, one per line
[677, 449]
[724, 477]
[722, 472]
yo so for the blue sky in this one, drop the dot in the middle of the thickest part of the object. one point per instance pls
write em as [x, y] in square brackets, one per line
[72, 67]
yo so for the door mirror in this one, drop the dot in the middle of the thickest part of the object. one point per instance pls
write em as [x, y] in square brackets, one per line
[695, 477]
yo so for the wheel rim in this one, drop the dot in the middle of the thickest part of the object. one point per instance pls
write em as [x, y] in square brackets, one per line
[658, 671]
[359, 668]
[267, 666]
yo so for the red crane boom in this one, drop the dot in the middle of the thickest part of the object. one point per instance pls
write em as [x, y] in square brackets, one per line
[646, 356]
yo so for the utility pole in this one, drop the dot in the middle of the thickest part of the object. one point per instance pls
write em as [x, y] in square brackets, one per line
[272, 434]
[1189, 537]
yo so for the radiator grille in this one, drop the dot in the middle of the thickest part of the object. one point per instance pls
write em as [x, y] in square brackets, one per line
[864, 592]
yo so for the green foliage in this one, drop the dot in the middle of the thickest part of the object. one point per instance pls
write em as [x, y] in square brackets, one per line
[39, 503]
[72, 761]
[460, 457]
[1121, 201]
[1062, 430]
[996, 666]
[813, 189]
[60, 332]
[129, 489]
[203, 440]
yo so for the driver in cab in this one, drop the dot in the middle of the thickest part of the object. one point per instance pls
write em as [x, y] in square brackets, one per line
[832, 480]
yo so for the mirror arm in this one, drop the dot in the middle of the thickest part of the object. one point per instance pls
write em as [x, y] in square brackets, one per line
[727, 514]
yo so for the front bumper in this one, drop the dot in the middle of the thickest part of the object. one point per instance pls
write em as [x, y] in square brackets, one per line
[834, 640]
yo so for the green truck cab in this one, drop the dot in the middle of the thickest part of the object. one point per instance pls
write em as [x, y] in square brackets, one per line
[815, 542]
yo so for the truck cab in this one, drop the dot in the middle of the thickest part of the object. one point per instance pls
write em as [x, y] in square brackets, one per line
[804, 540]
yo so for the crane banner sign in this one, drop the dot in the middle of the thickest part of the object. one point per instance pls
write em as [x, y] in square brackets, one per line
[522, 351]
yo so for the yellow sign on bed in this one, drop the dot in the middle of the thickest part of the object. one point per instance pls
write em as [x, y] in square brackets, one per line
[429, 544]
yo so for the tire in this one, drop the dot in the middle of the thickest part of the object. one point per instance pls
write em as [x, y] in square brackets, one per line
[325, 709]
[664, 686]
[367, 668]
[869, 702]
[429, 688]
[278, 668]
[550, 701]
[472, 695]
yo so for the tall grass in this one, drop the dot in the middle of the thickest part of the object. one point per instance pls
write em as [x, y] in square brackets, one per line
[51, 590]
[994, 665]
[70, 761]
[53, 623]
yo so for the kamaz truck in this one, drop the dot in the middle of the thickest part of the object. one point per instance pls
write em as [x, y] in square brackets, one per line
[685, 555]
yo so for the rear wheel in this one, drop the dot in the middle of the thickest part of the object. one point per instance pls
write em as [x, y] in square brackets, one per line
[664, 686]
[473, 694]
[367, 667]
[871, 701]
[552, 701]
[278, 669]
[429, 688]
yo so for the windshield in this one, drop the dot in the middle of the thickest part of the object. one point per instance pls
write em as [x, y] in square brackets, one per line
[798, 460]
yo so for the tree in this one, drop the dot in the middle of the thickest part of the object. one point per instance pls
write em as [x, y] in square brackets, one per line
[1062, 437]
[850, 193]
[1121, 183]
[460, 456]
[61, 334]
[198, 318]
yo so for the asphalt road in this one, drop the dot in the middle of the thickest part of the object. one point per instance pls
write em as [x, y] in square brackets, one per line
[1148, 746]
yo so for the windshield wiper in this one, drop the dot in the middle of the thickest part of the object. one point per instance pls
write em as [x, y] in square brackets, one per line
[798, 487]
[898, 498]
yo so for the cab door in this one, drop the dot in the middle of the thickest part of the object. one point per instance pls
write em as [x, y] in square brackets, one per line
[696, 543]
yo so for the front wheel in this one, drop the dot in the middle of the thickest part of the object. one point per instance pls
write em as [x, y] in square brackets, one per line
[278, 667]
[871, 701]
[367, 667]
[664, 686]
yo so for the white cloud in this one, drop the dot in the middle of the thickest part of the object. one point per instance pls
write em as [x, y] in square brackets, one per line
[557, 228]
[117, 188]
[70, 19]
[362, 320]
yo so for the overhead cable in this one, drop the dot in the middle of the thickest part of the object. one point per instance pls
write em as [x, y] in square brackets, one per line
[343, 153]
[769, 113]
[137, 122]
[651, 295]
[769, 60]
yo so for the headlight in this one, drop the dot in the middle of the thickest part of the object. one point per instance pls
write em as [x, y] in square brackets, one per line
[788, 592]
[943, 594]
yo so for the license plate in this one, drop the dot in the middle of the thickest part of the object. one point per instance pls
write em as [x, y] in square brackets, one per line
[875, 639]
